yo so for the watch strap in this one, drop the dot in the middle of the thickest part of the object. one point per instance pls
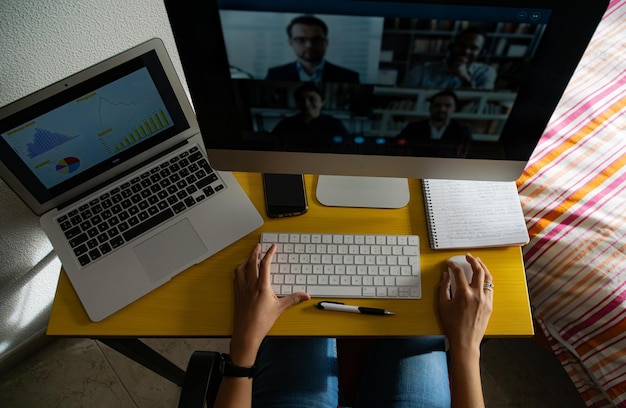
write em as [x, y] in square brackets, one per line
[228, 369]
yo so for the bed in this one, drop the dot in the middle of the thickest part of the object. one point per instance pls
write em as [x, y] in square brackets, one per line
[573, 194]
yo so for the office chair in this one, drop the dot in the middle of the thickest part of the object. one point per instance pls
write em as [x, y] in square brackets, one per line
[202, 380]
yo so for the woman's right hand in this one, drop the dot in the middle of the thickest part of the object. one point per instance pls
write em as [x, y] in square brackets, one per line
[465, 316]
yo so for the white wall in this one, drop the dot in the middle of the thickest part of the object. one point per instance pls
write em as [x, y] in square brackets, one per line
[41, 42]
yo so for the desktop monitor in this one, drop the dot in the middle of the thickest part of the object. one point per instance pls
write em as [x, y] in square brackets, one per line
[378, 90]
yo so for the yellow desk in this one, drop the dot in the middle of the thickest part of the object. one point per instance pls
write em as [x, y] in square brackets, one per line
[199, 301]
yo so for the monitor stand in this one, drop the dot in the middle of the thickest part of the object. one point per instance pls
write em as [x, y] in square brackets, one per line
[368, 192]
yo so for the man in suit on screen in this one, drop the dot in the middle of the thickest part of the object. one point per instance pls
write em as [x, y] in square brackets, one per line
[439, 135]
[308, 37]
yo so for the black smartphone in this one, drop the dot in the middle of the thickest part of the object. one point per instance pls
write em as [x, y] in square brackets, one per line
[285, 195]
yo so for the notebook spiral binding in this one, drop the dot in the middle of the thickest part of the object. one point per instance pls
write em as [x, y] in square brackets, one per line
[432, 232]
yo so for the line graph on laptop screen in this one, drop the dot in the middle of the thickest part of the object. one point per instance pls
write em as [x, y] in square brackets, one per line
[91, 129]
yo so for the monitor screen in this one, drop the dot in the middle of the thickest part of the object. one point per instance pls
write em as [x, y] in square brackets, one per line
[421, 89]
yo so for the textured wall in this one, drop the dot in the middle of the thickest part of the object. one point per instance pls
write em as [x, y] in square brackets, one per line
[41, 42]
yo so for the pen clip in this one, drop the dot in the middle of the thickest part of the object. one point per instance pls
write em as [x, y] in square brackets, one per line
[320, 305]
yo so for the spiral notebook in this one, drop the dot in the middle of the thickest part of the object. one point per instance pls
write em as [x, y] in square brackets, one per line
[473, 214]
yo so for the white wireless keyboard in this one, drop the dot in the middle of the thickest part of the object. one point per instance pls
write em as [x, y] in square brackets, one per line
[345, 265]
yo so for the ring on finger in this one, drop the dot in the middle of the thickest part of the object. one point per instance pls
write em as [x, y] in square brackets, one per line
[488, 286]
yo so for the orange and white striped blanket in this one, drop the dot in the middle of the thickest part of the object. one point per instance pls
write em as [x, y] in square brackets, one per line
[573, 193]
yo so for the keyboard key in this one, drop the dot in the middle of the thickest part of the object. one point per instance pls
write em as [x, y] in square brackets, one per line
[117, 242]
[80, 250]
[78, 239]
[94, 254]
[84, 260]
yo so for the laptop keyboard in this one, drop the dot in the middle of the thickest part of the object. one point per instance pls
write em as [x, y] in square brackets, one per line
[108, 222]
[345, 265]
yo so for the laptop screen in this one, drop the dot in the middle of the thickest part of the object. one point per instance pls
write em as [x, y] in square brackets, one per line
[98, 124]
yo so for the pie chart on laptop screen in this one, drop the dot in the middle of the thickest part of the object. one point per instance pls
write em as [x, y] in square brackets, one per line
[68, 165]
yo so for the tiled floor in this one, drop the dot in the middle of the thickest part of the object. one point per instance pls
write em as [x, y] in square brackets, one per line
[86, 373]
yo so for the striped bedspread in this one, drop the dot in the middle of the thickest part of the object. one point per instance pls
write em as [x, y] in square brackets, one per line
[573, 193]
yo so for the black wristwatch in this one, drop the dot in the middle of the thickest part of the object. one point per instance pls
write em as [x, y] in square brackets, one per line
[228, 369]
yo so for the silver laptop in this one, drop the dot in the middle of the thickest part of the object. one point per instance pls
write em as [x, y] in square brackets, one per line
[112, 160]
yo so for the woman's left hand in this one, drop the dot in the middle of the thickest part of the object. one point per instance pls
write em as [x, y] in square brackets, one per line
[256, 305]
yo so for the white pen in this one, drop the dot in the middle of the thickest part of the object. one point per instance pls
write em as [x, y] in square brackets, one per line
[341, 307]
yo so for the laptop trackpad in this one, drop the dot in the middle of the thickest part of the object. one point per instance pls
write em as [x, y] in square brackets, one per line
[170, 250]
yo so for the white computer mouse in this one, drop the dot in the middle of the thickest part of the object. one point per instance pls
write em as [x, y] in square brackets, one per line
[467, 268]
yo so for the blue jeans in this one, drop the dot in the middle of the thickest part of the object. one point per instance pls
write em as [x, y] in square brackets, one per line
[400, 373]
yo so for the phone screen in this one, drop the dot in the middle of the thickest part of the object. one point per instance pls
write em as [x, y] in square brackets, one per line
[284, 194]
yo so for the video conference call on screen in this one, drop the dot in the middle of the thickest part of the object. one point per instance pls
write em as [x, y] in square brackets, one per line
[387, 85]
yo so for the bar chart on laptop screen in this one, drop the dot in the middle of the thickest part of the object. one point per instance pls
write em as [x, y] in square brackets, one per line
[144, 128]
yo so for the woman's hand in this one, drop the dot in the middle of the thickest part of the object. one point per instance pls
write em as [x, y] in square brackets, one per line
[256, 305]
[465, 316]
